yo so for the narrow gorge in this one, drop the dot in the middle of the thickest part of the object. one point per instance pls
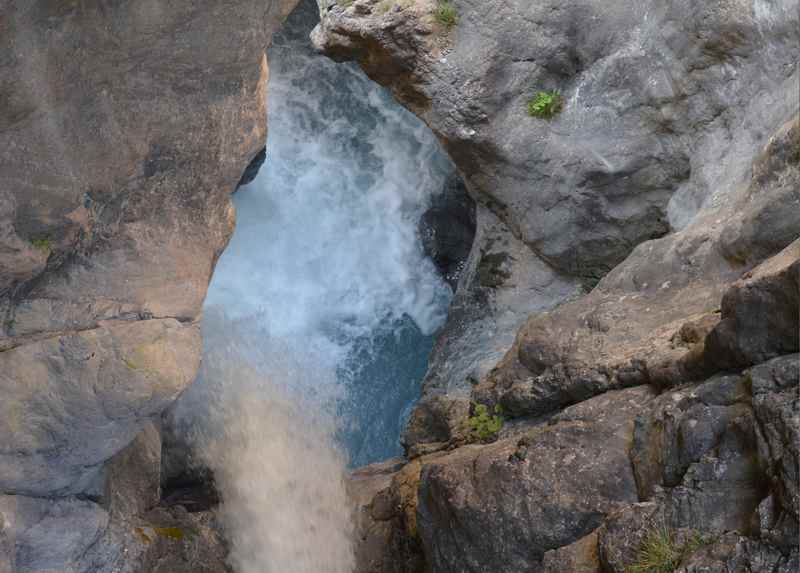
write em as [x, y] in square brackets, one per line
[378, 286]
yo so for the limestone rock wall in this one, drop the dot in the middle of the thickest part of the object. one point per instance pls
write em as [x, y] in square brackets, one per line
[124, 127]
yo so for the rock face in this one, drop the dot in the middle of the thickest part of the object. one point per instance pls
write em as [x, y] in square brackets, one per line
[649, 233]
[630, 299]
[652, 93]
[632, 156]
[123, 130]
[510, 508]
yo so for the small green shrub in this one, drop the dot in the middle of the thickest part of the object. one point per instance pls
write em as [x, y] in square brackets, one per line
[661, 552]
[545, 104]
[344, 3]
[483, 426]
[43, 245]
[445, 14]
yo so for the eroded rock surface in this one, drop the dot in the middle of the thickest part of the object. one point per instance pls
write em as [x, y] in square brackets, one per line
[123, 130]
[675, 118]
[484, 507]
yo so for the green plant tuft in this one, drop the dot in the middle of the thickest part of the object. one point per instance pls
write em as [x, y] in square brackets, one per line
[483, 426]
[661, 552]
[170, 532]
[445, 14]
[384, 6]
[43, 245]
[545, 104]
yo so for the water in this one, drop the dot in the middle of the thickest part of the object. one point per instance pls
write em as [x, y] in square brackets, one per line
[320, 316]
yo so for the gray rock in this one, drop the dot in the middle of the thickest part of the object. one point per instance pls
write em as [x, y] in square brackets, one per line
[71, 402]
[681, 426]
[622, 534]
[148, 534]
[483, 507]
[123, 132]
[732, 553]
[133, 477]
[578, 557]
[760, 314]
[648, 319]
[502, 282]
[384, 496]
[123, 128]
[49, 535]
[677, 117]
[664, 103]
[775, 403]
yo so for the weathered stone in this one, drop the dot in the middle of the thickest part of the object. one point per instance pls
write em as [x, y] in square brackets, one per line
[578, 557]
[776, 406]
[385, 498]
[653, 123]
[133, 477]
[123, 132]
[673, 141]
[501, 283]
[722, 491]
[621, 536]
[146, 533]
[48, 534]
[482, 507]
[73, 401]
[647, 320]
[732, 553]
[760, 314]
[681, 426]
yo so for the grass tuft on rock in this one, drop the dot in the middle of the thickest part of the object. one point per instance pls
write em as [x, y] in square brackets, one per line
[662, 552]
[483, 426]
[445, 14]
[43, 245]
[545, 104]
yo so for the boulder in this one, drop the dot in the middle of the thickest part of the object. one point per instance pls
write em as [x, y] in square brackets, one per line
[384, 496]
[124, 130]
[760, 314]
[495, 507]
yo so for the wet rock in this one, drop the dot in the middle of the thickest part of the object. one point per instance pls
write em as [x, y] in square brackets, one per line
[481, 507]
[447, 229]
[252, 169]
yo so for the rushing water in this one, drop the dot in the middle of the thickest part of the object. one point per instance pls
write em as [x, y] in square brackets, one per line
[320, 316]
